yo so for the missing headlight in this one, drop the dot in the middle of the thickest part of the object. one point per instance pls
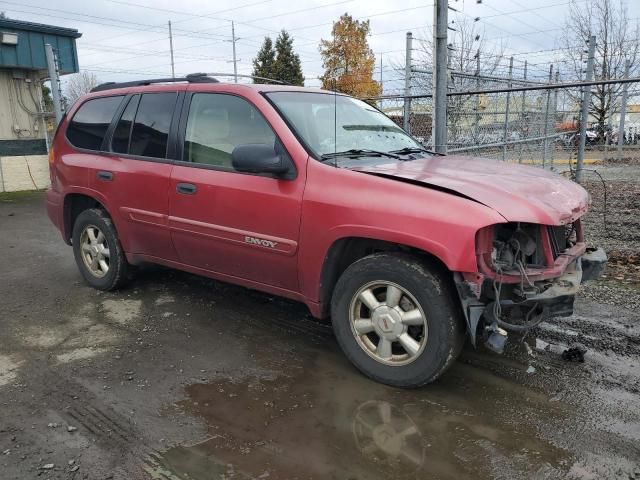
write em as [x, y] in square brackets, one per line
[515, 245]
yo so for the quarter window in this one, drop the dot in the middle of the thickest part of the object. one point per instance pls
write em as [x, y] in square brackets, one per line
[217, 123]
[151, 126]
[90, 123]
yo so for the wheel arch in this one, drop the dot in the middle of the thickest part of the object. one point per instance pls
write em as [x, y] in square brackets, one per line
[344, 251]
[75, 203]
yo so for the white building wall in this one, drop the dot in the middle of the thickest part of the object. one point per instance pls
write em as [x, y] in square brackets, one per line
[19, 105]
[24, 173]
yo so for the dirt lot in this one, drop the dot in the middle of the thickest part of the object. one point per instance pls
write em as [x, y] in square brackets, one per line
[180, 377]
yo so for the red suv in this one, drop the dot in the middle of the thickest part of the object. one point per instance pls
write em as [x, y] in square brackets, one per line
[319, 197]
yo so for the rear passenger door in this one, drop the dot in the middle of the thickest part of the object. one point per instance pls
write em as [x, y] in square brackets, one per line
[236, 224]
[135, 173]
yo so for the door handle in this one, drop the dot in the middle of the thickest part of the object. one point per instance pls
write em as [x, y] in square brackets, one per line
[104, 175]
[186, 188]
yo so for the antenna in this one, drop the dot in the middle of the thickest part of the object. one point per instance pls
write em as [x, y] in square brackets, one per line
[335, 122]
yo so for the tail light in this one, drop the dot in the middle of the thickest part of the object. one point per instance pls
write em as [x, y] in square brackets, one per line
[51, 155]
[52, 167]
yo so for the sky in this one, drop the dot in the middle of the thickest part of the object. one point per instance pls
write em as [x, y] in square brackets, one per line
[126, 40]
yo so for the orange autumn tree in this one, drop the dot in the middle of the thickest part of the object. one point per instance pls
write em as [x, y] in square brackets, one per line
[348, 60]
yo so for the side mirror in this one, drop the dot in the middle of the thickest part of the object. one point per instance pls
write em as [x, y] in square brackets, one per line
[258, 158]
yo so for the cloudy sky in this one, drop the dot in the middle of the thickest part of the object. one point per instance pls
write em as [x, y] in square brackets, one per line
[123, 40]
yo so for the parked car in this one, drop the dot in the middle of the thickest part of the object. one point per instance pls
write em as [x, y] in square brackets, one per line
[318, 197]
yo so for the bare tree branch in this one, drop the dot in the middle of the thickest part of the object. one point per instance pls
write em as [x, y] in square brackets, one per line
[79, 84]
[617, 39]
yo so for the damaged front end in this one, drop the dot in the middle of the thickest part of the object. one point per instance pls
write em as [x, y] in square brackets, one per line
[527, 273]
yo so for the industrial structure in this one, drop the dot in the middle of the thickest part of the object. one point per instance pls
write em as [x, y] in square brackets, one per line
[23, 122]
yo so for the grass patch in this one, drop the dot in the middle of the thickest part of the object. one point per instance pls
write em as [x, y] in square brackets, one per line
[10, 197]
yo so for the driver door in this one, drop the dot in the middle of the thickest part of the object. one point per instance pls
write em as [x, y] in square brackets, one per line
[235, 224]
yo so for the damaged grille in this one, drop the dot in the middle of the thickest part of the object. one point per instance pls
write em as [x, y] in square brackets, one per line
[562, 237]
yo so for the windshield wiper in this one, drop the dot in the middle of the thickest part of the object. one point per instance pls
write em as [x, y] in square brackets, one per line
[358, 152]
[408, 150]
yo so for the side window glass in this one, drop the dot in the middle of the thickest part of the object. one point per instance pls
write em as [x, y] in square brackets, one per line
[90, 123]
[218, 123]
[151, 126]
[122, 132]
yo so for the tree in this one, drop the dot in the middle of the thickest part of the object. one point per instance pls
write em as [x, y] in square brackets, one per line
[281, 63]
[263, 63]
[46, 98]
[347, 59]
[287, 67]
[617, 39]
[79, 84]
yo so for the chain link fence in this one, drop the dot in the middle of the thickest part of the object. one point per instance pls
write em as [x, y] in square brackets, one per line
[537, 124]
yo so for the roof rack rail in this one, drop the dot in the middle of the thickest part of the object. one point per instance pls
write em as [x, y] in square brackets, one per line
[191, 78]
[240, 75]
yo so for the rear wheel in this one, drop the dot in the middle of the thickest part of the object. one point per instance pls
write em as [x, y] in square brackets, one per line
[97, 250]
[396, 320]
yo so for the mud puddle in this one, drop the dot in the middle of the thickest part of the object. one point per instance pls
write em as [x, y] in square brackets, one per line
[321, 419]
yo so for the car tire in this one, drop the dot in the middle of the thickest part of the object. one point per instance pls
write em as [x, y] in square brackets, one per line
[98, 252]
[421, 352]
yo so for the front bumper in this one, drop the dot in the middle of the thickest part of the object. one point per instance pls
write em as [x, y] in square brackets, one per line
[594, 264]
[554, 296]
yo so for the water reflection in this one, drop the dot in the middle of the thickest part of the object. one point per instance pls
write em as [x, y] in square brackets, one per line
[387, 434]
[325, 421]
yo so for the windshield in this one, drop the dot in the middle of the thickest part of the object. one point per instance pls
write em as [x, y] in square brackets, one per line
[355, 125]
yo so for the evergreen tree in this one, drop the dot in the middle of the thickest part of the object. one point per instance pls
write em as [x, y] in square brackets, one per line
[287, 65]
[264, 62]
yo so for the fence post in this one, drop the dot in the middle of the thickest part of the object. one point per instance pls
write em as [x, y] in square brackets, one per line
[553, 118]
[440, 22]
[476, 123]
[545, 147]
[506, 113]
[584, 112]
[407, 84]
[55, 82]
[523, 113]
[623, 110]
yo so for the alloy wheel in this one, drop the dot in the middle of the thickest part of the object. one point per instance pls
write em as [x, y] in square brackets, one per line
[94, 251]
[388, 323]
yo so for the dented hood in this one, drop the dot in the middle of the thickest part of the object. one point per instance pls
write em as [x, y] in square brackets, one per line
[519, 193]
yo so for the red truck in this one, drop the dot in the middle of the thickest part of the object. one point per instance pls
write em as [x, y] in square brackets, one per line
[321, 198]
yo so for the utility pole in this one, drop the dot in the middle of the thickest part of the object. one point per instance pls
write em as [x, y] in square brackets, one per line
[173, 69]
[52, 67]
[584, 113]
[506, 113]
[546, 121]
[623, 110]
[440, 22]
[381, 88]
[407, 83]
[235, 62]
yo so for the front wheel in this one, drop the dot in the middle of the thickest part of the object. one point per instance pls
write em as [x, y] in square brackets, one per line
[396, 320]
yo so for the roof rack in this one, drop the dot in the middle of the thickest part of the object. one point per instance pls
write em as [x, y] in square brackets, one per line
[240, 75]
[191, 78]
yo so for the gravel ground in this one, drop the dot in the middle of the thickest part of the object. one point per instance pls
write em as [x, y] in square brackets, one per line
[615, 226]
[179, 377]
